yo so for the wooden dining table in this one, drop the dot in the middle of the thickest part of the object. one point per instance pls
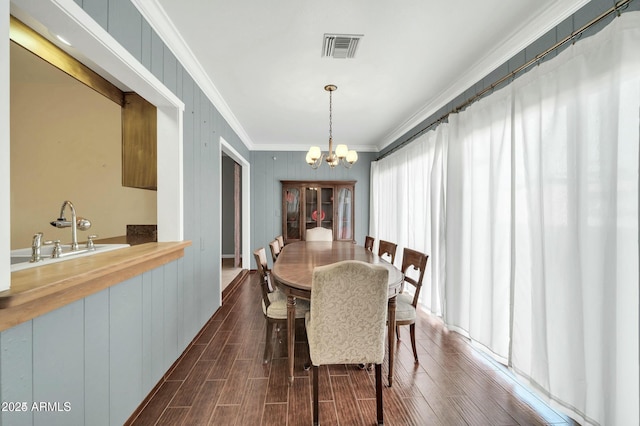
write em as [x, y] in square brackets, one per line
[293, 271]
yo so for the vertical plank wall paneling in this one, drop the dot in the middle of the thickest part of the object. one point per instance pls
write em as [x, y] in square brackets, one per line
[125, 348]
[96, 358]
[16, 347]
[58, 351]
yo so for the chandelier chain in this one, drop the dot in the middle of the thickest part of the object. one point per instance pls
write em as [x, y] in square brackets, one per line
[330, 115]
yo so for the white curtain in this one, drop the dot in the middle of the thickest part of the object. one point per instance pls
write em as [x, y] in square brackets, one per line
[478, 221]
[534, 241]
[407, 206]
[575, 322]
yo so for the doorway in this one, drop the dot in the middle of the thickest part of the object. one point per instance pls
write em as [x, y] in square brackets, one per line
[234, 214]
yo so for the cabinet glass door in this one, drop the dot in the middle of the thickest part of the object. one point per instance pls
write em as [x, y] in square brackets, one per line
[318, 207]
[311, 207]
[344, 227]
[326, 207]
[292, 202]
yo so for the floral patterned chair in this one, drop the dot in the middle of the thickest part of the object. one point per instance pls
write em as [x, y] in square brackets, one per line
[347, 320]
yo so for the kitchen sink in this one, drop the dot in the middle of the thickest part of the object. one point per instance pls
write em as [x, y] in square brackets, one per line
[21, 258]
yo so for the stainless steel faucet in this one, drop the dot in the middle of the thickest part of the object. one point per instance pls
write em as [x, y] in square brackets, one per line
[75, 223]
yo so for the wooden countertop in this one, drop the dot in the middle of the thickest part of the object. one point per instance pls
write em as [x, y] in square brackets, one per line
[36, 291]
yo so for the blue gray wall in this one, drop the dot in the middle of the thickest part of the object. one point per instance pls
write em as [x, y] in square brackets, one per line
[268, 168]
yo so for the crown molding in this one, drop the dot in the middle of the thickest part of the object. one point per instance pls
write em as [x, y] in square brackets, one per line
[301, 148]
[513, 44]
[156, 16]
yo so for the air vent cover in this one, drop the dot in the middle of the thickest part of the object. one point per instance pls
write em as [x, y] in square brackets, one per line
[340, 45]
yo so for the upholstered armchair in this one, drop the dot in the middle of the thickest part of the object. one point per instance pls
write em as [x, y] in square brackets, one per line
[319, 234]
[347, 320]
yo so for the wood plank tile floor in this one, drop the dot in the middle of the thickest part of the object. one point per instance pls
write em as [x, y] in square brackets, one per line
[221, 380]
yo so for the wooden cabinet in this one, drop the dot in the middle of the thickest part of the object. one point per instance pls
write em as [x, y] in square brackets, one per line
[309, 204]
[139, 143]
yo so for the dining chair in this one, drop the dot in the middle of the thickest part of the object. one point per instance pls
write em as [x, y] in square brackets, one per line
[347, 320]
[406, 303]
[368, 243]
[274, 302]
[319, 234]
[274, 246]
[385, 248]
[280, 240]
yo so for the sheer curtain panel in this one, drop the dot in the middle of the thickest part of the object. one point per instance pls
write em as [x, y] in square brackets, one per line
[575, 312]
[408, 205]
[527, 204]
[478, 217]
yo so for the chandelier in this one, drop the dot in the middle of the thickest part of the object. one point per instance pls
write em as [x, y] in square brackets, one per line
[342, 155]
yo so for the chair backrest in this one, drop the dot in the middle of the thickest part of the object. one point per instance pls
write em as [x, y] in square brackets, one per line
[274, 246]
[347, 320]
[368, 242]
[280, 240]
[265, 282]
[388, 249]
[417, 260]
[319, 234]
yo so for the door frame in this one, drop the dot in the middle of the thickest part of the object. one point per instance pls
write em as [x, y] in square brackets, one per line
[246, 198]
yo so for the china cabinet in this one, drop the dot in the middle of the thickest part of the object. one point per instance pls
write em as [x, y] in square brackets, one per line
[308, 204]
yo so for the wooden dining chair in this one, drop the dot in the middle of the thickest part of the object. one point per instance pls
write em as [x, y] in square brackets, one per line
[346, 323]
[319, 234]
[406, 304]
[385, 248]
[368, 243]
[274, 246]
[280, 240]
[274, 302]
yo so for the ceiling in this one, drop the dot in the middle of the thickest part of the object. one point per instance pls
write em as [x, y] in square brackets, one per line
[264, 59]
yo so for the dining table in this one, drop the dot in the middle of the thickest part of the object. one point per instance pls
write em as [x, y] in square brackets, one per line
[293, 272]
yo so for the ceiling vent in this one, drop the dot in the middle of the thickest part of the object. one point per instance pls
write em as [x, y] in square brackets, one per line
[340, 45]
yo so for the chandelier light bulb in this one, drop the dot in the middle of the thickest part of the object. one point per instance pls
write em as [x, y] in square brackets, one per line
[314, 153]
[308, 158]
[341, 151]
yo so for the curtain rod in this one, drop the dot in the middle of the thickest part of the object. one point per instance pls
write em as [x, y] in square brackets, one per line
[616, 8]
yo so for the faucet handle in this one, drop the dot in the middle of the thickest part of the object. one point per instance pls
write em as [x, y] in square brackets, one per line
[90, 244]
[36, 244]
[57, 248]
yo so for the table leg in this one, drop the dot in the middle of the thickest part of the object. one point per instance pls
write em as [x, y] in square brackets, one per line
[291, 333]
[392, 335]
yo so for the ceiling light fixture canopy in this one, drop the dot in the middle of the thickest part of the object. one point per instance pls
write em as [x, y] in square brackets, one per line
[342, 155]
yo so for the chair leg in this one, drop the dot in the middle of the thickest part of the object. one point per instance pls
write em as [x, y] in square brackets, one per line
[315, 396]
[379, 394]
[412, 331]
[397, 333]
[268, 343]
